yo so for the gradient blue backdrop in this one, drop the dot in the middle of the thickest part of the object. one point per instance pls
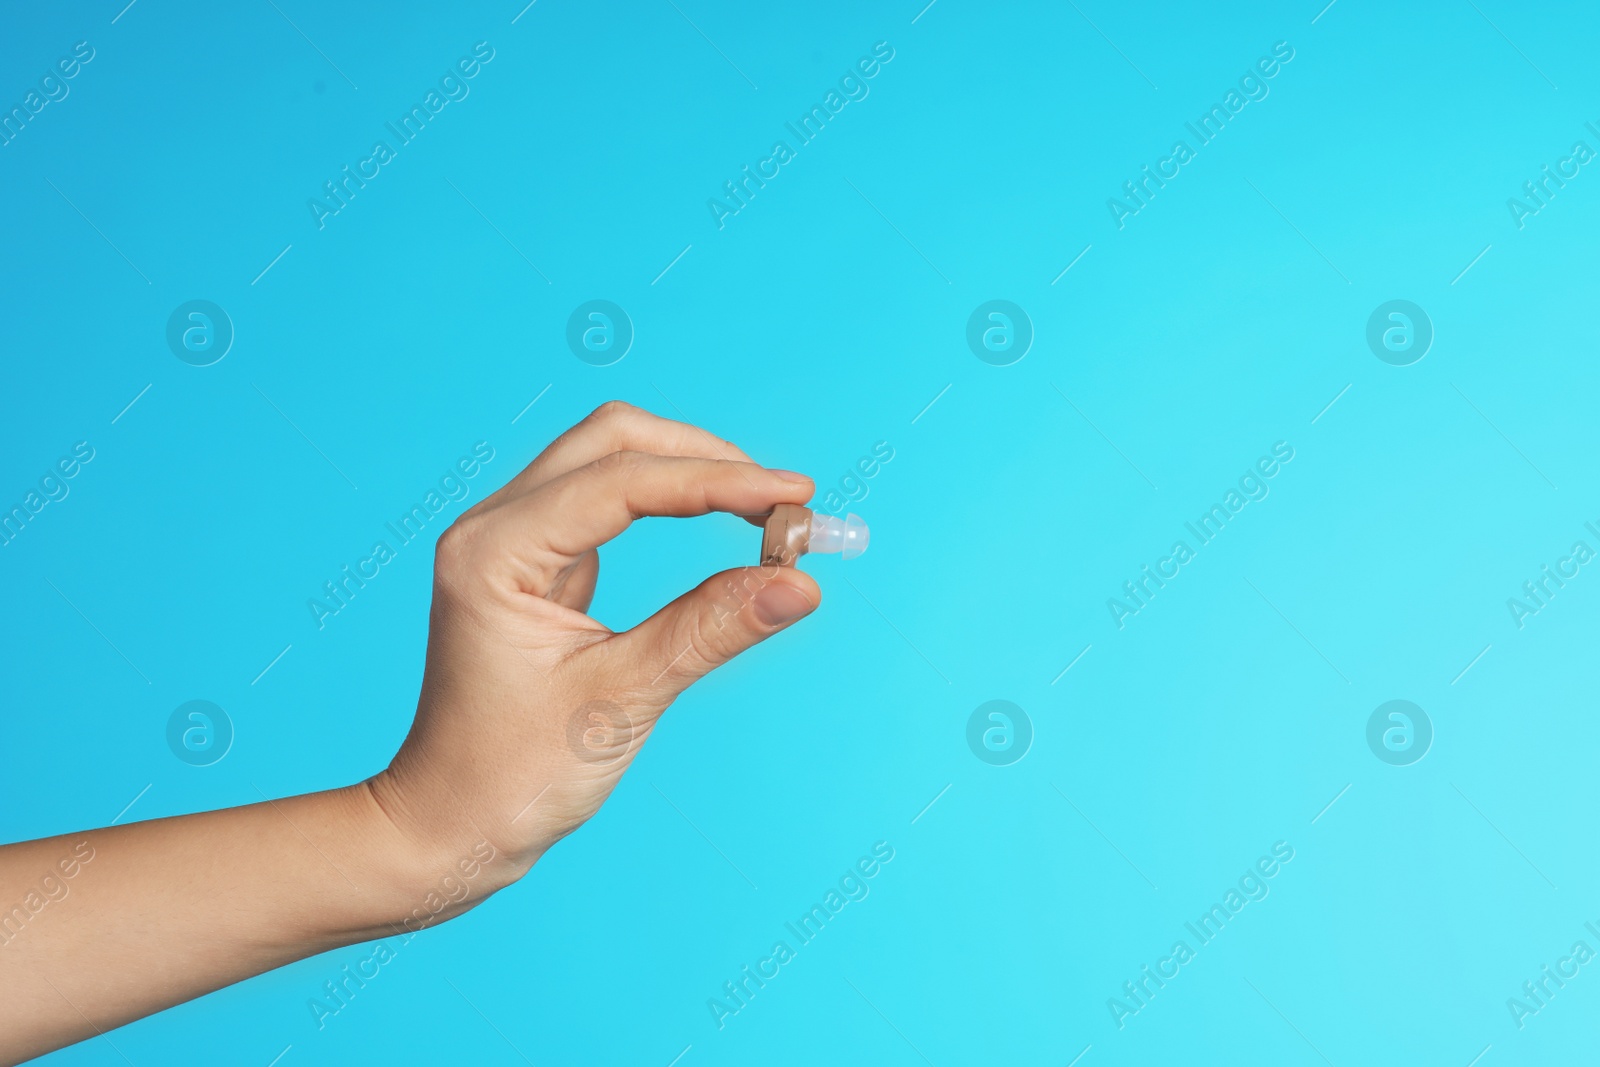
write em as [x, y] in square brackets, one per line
[821, 319]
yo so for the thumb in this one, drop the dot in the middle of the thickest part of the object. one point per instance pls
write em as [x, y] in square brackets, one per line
[718, 619]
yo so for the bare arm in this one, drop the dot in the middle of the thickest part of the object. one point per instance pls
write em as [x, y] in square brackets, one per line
[132, 919]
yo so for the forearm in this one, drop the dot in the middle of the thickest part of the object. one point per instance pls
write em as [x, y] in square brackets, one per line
[156, 913]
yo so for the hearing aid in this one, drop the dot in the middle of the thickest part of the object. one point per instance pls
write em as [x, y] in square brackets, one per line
[791, 531]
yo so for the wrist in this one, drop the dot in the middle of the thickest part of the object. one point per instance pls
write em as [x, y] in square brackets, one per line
[446, 863]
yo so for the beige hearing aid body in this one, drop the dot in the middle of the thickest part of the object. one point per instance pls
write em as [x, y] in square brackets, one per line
[786, 536]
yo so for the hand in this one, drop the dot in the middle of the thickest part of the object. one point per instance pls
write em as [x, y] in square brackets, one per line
[531, 710]
[530, 713]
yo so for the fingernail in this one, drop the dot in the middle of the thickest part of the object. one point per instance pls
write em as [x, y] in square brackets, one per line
[779, 603]
[788, 476]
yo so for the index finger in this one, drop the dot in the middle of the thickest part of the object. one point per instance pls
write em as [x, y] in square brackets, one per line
[542, 531]
[614, 426]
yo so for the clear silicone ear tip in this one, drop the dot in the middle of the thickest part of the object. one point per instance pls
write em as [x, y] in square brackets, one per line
[856, 537]
[830, 533]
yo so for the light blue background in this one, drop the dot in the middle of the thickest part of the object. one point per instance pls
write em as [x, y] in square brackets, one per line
[810, 327]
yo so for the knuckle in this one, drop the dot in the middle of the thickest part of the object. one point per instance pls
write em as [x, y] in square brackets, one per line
[451, 551]
[706, 645]
[620, 463]
[613, 411]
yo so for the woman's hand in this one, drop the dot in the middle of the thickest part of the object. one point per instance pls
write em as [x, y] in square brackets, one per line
[531, 710]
